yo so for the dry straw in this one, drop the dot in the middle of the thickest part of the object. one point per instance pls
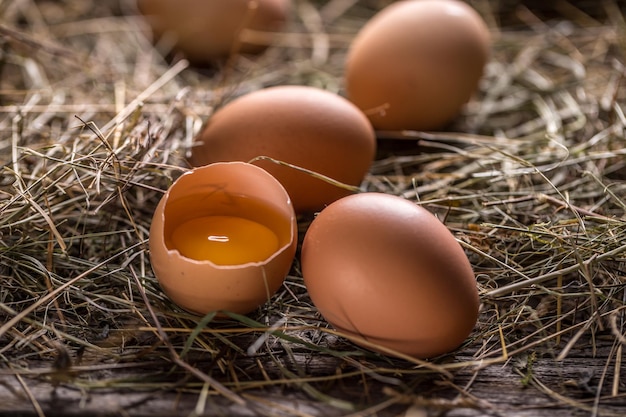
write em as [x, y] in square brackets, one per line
[95, 125]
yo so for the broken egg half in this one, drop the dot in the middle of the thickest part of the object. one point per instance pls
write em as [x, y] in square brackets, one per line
[223, 238]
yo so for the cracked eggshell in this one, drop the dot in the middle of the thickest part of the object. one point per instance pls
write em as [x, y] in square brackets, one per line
[416, 63]
[233, 189]
[207, 30]
[384, 270]
[304, 126]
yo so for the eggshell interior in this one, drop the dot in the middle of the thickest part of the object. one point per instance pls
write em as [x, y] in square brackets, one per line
[382, 269]
[222, 189]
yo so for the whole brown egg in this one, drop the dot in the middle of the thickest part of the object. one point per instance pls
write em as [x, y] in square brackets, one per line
[389, 275]
[206, 30]
[306, 127]
[416, 63]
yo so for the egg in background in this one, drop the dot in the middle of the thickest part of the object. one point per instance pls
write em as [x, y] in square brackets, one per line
[304, 126]
[208, 30]
[416, 63]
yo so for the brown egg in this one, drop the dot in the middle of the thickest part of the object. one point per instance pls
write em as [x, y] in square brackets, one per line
[416, 63]
[384, 270]
[223, 237]
[206, 30]
[304, 126]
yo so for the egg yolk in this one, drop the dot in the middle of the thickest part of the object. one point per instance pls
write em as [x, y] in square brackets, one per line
[225, 240]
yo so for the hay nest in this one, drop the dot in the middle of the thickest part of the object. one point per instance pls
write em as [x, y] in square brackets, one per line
[95, 125]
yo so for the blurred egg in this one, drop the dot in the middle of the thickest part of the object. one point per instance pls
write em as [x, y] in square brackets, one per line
[303, 126]
[223, 237]
[385, 271]
[416, 63]
[206, 30]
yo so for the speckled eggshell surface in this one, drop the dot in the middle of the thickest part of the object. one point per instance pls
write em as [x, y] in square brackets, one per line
[384, 270]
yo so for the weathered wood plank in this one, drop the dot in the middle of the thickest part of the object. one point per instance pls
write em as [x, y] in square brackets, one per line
[555, 389]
